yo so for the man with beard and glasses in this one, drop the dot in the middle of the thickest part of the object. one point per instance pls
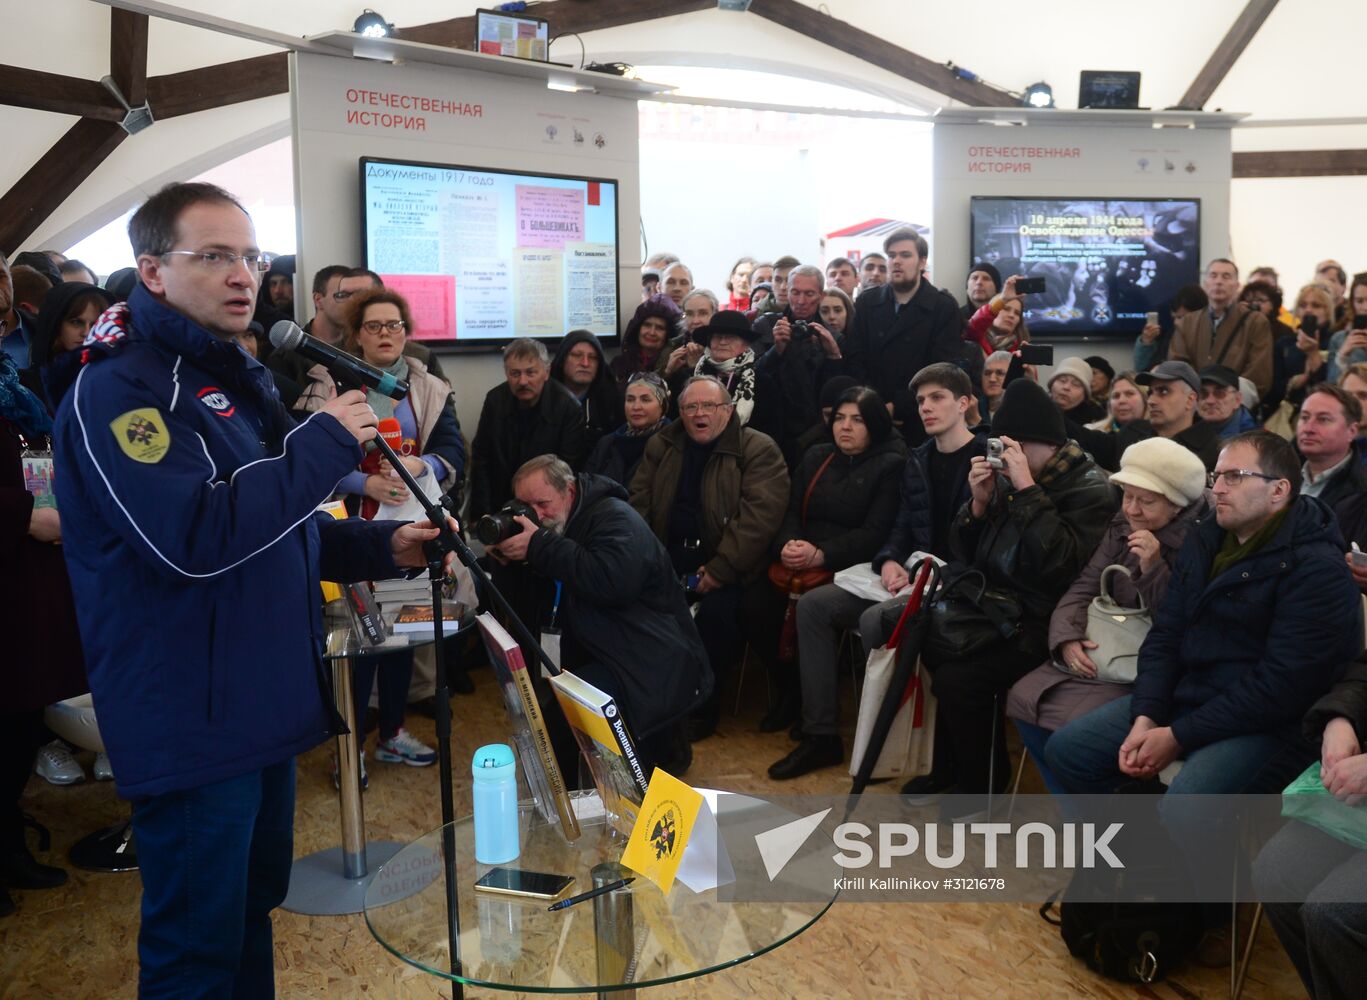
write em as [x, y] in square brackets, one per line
[626, 624]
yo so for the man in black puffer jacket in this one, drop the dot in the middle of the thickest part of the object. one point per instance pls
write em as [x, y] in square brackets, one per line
[1029, 529]
[626, 624]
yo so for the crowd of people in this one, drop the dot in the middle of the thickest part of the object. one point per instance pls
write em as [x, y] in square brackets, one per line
[693, 497]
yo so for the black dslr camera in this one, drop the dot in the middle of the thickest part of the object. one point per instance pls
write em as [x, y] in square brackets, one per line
[800, 330]
[500, 526]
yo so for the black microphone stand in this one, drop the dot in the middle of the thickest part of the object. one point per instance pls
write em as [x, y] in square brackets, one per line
[435, 551]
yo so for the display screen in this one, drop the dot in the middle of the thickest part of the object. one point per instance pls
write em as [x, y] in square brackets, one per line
[1105, 261]
[484, 256]
[500, 34]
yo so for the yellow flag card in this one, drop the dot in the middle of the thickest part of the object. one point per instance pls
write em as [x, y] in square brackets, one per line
[675, 836]
[660, 837]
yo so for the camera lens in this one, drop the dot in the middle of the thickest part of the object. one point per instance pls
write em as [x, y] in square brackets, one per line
[494, 528]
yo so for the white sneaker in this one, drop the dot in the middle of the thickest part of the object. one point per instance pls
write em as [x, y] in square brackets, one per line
[102, 771]
[405, 748]
[56, 765]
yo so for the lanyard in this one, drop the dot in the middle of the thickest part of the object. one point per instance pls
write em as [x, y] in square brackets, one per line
[555, 607]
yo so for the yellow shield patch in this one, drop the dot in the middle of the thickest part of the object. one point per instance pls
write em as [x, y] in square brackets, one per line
[142, 434]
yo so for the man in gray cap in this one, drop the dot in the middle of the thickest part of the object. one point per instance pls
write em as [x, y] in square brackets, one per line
[1173, 389]
[1222, 402]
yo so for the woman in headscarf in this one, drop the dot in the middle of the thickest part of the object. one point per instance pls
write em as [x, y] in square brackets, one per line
[645, 338]
[617, 454]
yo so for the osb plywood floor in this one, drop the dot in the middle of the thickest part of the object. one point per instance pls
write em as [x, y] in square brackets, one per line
[80, 941]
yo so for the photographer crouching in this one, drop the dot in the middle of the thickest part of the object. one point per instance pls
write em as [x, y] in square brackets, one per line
[626, 626]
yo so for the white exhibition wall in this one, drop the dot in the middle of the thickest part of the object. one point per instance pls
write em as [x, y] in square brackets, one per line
[499, 121]
[1293, 223]
[720, 183]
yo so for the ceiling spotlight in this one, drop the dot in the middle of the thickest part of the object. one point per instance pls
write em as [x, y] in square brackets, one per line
[372, 25]
[1038, 95]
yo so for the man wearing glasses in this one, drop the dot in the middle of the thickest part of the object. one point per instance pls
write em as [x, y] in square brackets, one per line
[1260, 619]
[188, 501]
[715, 492]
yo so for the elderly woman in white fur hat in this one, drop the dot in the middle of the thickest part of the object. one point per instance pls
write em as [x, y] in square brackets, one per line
[1164, 488]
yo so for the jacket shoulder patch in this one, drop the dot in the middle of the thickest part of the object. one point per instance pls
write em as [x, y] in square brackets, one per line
[142, 435]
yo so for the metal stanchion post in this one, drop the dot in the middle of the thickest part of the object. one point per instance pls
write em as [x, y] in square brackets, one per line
[614, 931]
[349, 775]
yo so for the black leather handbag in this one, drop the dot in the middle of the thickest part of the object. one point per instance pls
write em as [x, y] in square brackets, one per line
[967, 616]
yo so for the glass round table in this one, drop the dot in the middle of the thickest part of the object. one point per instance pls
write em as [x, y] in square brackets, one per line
[629, 938]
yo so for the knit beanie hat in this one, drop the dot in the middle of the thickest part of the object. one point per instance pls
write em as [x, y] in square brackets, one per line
[989, 270]
[1075, 367]
[1028, 414]
[1163, 466]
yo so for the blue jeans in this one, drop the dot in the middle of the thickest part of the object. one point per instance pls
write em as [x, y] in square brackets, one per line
[1084, 755]
[215, 861]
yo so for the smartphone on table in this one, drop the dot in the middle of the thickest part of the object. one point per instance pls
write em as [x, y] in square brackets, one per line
[520, 882]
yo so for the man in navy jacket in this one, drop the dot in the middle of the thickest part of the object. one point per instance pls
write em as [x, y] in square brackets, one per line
[1260, 619]
[188, 503]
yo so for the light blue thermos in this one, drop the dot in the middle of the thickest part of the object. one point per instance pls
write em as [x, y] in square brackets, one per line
[495, 793]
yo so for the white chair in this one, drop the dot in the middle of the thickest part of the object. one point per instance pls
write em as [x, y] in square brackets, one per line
[110, 849]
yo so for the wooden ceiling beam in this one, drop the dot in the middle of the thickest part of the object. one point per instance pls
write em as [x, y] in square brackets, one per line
[876, 51]
[1226, 54]
[1301, 163]
[565, 17]
[63, 95]
[51, 180]
[174, 94]
[128, 54]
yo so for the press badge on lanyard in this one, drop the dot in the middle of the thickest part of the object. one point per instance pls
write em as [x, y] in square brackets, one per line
[550, 635]
[37, 463]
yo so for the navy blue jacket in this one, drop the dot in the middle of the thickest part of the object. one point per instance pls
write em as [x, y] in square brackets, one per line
[188, 503]
[1251, 650]
[912, 531]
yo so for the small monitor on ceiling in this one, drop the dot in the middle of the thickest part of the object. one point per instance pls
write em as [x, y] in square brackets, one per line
[1110, 89]
[498, 33]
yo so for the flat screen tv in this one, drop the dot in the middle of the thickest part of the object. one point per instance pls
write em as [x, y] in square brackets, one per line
[484, 256]
[1105, 261]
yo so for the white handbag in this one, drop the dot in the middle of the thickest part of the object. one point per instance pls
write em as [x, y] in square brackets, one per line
[1117, 631]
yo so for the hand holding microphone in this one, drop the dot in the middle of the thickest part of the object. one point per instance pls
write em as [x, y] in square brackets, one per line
[352, 411]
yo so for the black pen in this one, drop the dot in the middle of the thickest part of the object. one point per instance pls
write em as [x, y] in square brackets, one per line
[602, 890]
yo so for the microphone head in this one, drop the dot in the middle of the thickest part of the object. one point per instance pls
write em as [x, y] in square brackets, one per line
[391, 431]
[286, 335]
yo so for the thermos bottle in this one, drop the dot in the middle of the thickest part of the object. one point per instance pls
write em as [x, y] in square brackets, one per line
[495, 793]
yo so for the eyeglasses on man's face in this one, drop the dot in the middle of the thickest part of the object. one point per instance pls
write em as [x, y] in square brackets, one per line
[375, 326]
[1233, 477]
[688, 409]
[221, 260]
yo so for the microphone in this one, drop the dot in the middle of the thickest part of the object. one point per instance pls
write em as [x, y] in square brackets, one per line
[391, 432]
[344, 367]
